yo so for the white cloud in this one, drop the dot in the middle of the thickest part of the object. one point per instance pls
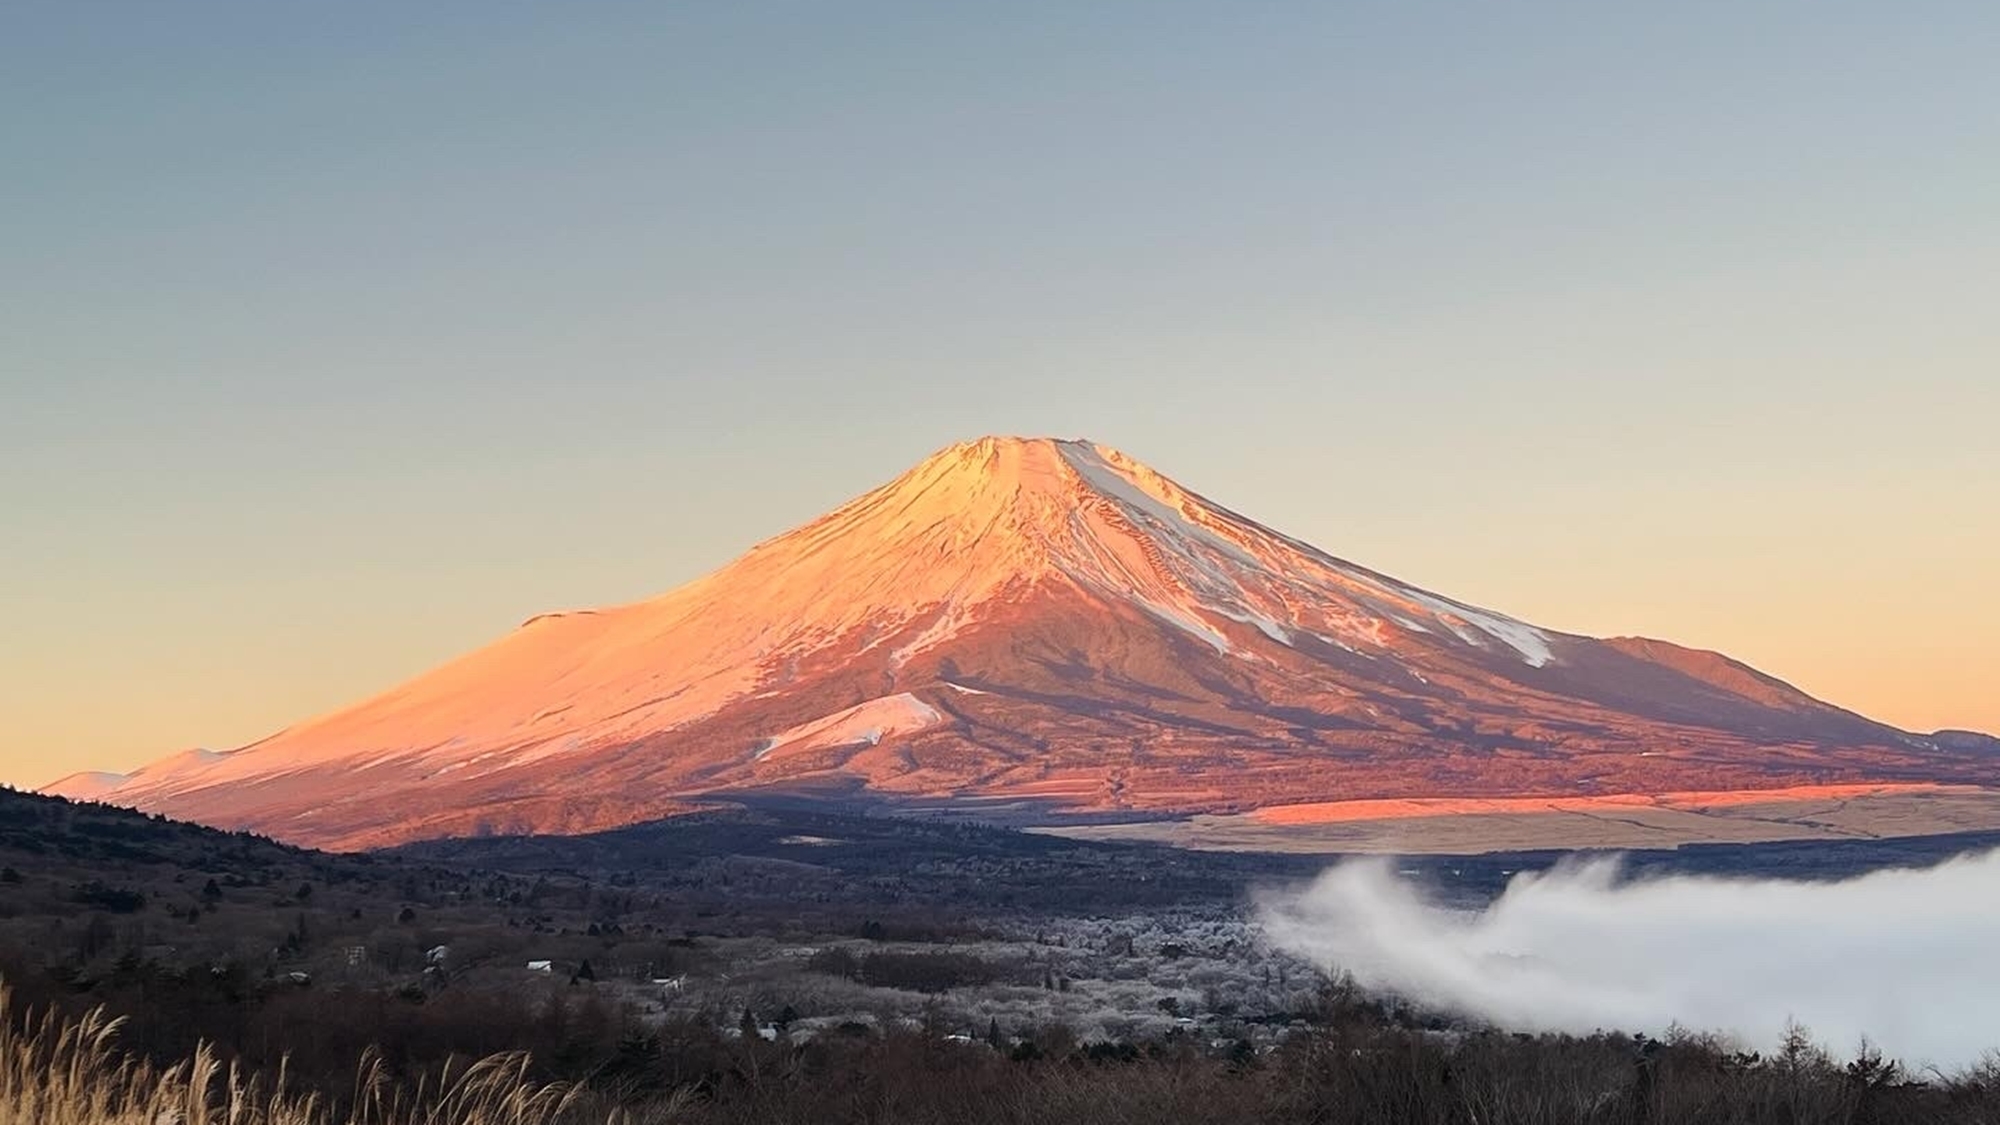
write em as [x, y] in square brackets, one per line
[1909, 959]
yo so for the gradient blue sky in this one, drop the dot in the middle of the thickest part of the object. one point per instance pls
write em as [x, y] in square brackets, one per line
[337, 339]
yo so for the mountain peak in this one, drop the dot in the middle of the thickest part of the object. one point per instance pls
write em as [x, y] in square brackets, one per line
[984, 449]
[1006, 464]
[979, 518]
[1029, 485]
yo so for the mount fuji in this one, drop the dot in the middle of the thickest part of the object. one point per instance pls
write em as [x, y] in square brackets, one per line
[1032, 631]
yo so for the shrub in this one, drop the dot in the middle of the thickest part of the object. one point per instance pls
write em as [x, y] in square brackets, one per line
[925, 972]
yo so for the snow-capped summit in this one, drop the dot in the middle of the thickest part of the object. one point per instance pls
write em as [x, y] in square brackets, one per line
[1046, 623]
[981, 519]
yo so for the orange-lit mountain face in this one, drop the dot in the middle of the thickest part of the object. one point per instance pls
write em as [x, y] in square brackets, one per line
[1035, 629]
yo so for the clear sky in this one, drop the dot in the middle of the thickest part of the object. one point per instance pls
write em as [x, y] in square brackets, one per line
[337, 339]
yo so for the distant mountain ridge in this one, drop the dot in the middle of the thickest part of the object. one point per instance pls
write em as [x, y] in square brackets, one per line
[1027, 629]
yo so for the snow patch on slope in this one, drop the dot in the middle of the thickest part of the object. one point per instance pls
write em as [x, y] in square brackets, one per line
[1100, 473]
[949, 621]
[1264, 624]
[868, 723]
[1530, 642]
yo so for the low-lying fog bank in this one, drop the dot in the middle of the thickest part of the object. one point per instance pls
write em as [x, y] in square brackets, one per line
[1903, 958]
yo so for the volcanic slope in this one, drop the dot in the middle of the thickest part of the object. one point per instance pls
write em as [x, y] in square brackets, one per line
[1031, 630]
